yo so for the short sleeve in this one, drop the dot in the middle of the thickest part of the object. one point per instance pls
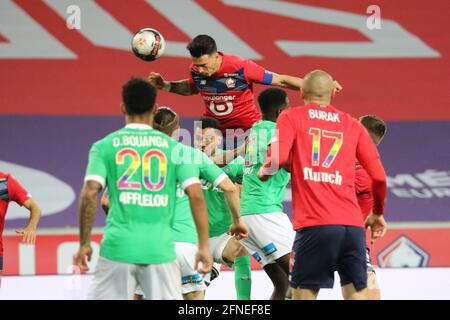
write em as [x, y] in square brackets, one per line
[96, 168]
[16, 192]
[187, 174]
[187, 168]
[255, 73]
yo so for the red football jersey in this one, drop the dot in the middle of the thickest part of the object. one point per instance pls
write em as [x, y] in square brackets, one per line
[10, 190]
[322, 143]
[228, 94]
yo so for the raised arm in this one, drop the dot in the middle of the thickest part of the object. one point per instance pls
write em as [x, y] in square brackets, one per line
[294, 83]
[286, 81]
[182, 87]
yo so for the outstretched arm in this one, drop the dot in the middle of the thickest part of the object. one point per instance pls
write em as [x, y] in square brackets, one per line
[286, 81]
[182, 87]
[29, 232]
[294, 83]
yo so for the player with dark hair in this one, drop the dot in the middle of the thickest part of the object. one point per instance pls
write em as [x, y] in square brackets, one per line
[271, 233]
[141, 170]
[225, 83]
[322, 142]
[376, 128]
[225, 248]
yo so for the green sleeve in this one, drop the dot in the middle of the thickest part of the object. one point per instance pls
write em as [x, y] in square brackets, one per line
[96, 168]
[235, 169]
[187, 171]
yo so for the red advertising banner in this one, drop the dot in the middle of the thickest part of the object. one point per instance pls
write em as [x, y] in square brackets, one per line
[53, 254]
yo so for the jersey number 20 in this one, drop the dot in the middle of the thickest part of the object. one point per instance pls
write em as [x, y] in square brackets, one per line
[155, 185]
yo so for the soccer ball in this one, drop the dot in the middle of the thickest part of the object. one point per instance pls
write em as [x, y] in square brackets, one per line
[148, 44]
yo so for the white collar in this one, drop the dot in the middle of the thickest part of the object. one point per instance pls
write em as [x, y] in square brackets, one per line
[140, 126]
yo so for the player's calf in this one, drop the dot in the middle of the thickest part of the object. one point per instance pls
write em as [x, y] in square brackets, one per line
[372, 286]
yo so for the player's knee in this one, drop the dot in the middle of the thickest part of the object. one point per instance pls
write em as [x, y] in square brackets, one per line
[195, 295]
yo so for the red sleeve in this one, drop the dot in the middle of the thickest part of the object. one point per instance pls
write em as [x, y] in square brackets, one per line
[16, 192]
[369, 158]
[280, 146]
[253, 72]
[365, 202]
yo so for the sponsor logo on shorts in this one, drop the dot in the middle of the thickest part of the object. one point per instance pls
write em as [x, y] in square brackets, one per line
[401, 253]
[256, 256]
[194, 279]
[269, 249]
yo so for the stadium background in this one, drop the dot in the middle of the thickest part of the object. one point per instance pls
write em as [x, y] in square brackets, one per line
[60, 91]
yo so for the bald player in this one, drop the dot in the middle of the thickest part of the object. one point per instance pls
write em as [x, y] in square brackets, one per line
[322, 142]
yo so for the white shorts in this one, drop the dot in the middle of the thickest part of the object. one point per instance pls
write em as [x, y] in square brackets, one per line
[217, 245]
[271, 236]
[118, 281]
[191, 280]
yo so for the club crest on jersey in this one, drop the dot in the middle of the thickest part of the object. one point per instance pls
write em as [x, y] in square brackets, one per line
[230, 82]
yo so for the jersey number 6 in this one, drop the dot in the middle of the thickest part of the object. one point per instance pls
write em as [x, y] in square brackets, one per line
[221, 108]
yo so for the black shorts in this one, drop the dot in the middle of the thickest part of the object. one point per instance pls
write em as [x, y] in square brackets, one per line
[1, 264]
[322, 250]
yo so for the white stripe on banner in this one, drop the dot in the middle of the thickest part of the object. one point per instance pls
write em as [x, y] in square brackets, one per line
[26, 260]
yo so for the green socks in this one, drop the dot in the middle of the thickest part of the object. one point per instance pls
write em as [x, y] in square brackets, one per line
[242, 277]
